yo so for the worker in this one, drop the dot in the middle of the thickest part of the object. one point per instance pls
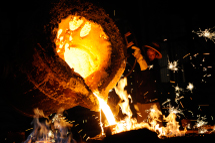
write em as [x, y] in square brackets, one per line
[149, 75]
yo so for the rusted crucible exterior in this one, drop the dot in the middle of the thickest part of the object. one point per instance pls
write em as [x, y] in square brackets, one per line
[41, 79]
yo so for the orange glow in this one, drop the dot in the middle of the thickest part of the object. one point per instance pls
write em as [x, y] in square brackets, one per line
[107, 111]
[128, 123]
[85, 47]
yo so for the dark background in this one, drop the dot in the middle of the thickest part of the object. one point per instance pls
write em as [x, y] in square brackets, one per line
[147, 20]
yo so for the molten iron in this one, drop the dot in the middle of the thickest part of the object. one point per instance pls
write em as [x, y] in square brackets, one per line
[85, 47]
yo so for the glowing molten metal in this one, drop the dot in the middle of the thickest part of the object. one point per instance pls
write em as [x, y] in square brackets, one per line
[85, 47]
[107, 111]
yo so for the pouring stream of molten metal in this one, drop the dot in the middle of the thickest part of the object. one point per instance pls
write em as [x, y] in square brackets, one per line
[107, 111]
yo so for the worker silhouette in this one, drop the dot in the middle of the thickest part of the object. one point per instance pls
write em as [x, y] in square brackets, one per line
[148, 77]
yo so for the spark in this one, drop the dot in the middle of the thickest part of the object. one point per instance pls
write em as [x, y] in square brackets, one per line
[29, 129]
[84, 135]
[176, 111]
[151, 66]
[192, 64]
[186, 55]
[207, 34]
[200, 124]
[195, 55]
[71, 122]
[190, 112]
[181, 104]
[178, 98]
[190, 86]
[173, 65]
[168, 100]
[206, 53]
[87, 138]
[76, 125]
[171, 81]
[177, 88]
[204, 69]
[199, 107]
[80, 131]
[177, 94]
[203, 60]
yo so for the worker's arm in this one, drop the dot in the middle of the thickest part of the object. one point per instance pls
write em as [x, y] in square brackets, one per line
[142, 62]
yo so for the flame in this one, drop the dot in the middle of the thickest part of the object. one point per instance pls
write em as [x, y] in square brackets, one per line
[128, 123]
[52, 130]
[124, 97]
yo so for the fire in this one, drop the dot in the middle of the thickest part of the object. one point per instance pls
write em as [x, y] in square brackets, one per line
[124, 97]
[172, 126]
[85, 48]
[52, 130]
[128, 123]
